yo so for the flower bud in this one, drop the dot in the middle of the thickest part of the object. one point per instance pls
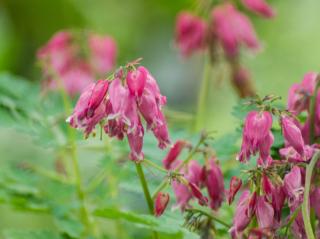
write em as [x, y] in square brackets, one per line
[260, 7]
[202, 200]
[173, 154]
[98, 93]
[161, 203]
[235, 185]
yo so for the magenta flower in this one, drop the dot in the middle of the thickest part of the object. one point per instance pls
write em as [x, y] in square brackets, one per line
[196, 192]
[314, 201]
[190, 33]
[136, 81]
[118, 108]
[161, 203]
[264, 213]
[292, 134]
[243, 215]
[64, 64]
[260, 7]
[233, 29]
[103, 52]
[257, 136]
[214, 184]
[292, 156]
[173, 154]
[293, 187]
[299, 94]
[235, 185]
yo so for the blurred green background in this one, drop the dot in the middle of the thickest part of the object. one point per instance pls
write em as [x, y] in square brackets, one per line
[145, 28]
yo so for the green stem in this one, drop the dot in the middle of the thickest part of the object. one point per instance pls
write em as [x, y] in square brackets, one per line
[305, 204]
[154, 165]
[203, 95]
[146, 192]
[209, 215]
[312, 111]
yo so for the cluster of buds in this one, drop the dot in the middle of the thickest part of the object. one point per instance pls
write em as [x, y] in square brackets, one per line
[278, 181]
[118, 104]
[228, 28]
[70, 62]
[190, 178]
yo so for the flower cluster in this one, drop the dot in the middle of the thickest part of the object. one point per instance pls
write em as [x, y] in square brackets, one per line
[279, 180]
[191, 178]
[76, 63]
[118, 105]
[228, 28]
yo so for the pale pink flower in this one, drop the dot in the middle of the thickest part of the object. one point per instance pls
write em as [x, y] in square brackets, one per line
[264, 213]
[233, 29]
[260, 7]
[161, 203]
[103, 52]
[190, 33]
[293, 187]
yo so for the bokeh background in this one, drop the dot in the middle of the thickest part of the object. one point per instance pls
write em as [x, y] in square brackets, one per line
[144, 28]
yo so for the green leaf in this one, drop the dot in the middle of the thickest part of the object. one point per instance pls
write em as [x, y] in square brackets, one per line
[24, 234]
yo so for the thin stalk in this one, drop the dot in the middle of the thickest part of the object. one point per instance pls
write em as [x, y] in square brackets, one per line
[305, 204]
[312, 111]
[165, 182]
[154, 165]
[84, 213]
[146, 192]
[203, 95]
[209, 215]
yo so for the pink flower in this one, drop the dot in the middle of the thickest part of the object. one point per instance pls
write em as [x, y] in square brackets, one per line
[233, 29]
[90, 108]
[260, 7]
[136, 81]
[173, 154]
[299, 94]
[257, 136]
[214, 184]
[202, 200]
[292, 135]
[293, 187]
[241, 81]
[314, 201]
[161, 203]
[235, 185]
[290, 154]
[243, 215]
[190, 33]
[103, 51]
[264, 213]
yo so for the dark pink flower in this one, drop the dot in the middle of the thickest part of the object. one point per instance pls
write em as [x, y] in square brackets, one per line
[214, 184]
[173, 154]
[196, 192]
[257, 136]
[314, 201]
[97, 96]
[233, 29]
[260, 7]
[290, 154]
[235, 185]
[292, 135]
[161, 203]
[190, 33]
[103, 51]
[299, 94]
[264, 213]
[136, 80]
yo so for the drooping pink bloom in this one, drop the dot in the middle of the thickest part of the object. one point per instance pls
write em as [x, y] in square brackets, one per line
[259, 233]
[161, 203]
[314, 201]
[260, 7]
[235, 185]
[202, 200]
[300, 93]
[290, 154]
[233, 29]
[293, 187]
[103, 51]
[190, 33]
[243, 215]
[193, 174]
[80, 118]
[214, 184]
[136, 81]
[173, 153]
[264, 213]
[292, 135]
[257, 136]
